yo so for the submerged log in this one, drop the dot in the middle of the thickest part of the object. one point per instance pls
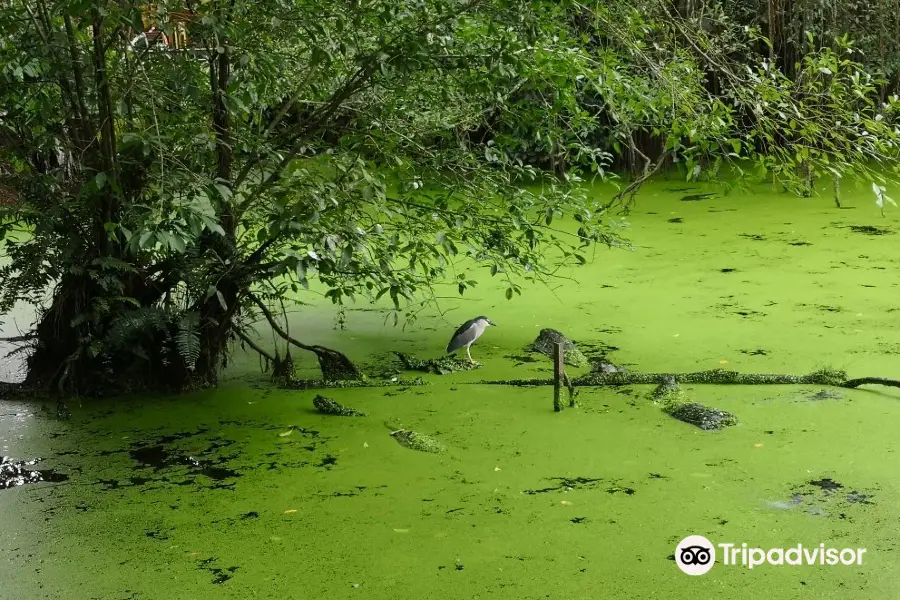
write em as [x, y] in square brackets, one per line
[319, 384]
[330, 406]
[830, 377]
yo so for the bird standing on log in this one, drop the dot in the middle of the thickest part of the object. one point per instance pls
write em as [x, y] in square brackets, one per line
[466, 335]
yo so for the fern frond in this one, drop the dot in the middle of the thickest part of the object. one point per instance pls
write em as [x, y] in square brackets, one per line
[188, 339]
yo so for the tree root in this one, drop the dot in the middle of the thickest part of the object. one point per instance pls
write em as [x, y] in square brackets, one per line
[829, 377]
[335, 366]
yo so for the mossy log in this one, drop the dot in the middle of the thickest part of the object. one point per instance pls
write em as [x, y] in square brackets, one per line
[440, 366]
[330, 406]
[418, 441]
[320, 384]
[830, 377]
[545, 344]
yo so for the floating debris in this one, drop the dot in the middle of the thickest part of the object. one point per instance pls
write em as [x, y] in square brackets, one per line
[16, 473]
[330, 407]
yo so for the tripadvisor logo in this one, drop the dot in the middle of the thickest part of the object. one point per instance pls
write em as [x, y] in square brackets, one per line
[696, 555]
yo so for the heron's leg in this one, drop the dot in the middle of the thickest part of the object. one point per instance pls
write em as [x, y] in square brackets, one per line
[468, 353]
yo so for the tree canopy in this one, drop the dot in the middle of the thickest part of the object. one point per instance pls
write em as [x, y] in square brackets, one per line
[174, 194]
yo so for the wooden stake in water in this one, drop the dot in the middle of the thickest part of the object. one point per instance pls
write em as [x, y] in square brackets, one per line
[559, 355]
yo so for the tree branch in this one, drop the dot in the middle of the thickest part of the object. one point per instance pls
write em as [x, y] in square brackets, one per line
[246, 339]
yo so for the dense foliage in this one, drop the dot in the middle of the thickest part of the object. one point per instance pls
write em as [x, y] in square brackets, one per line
[174, 196]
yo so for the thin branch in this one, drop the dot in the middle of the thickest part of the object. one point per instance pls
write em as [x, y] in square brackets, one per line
[246, 339]
[277, 328]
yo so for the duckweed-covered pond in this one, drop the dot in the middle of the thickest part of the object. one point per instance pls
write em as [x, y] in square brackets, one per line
[250, 492]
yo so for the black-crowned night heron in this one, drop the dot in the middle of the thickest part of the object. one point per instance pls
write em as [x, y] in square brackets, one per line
[466, 335]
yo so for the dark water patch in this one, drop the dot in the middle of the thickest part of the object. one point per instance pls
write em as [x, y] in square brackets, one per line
[825, 395]
[676, 220]
[827, 308]
[218, 473]
[657, 476]
[728, 270]
[328, 462]
[799, 243]
[855, 497]
[151, 456]
[578, 520]
[249, 515]
[753, 236]
[697, 197]
[826, 484]
[156, 534]
[618, 489]
[521, 359]
[567, 484]
[749, 313]
[160, 456]
[757, 352]
[17, 473]
[870, 230]
[220, 576]
[818, 495]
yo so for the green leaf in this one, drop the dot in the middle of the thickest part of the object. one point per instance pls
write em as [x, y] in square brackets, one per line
[224, 191]
[176, 242]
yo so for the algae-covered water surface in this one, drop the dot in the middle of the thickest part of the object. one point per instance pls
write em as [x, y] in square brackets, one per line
[255, 492]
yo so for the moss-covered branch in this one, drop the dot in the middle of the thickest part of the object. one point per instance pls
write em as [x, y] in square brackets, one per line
[829, 377]
[317, 384]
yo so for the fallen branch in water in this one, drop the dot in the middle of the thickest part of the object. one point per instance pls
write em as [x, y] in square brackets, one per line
[828, 377]
[318, 384]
